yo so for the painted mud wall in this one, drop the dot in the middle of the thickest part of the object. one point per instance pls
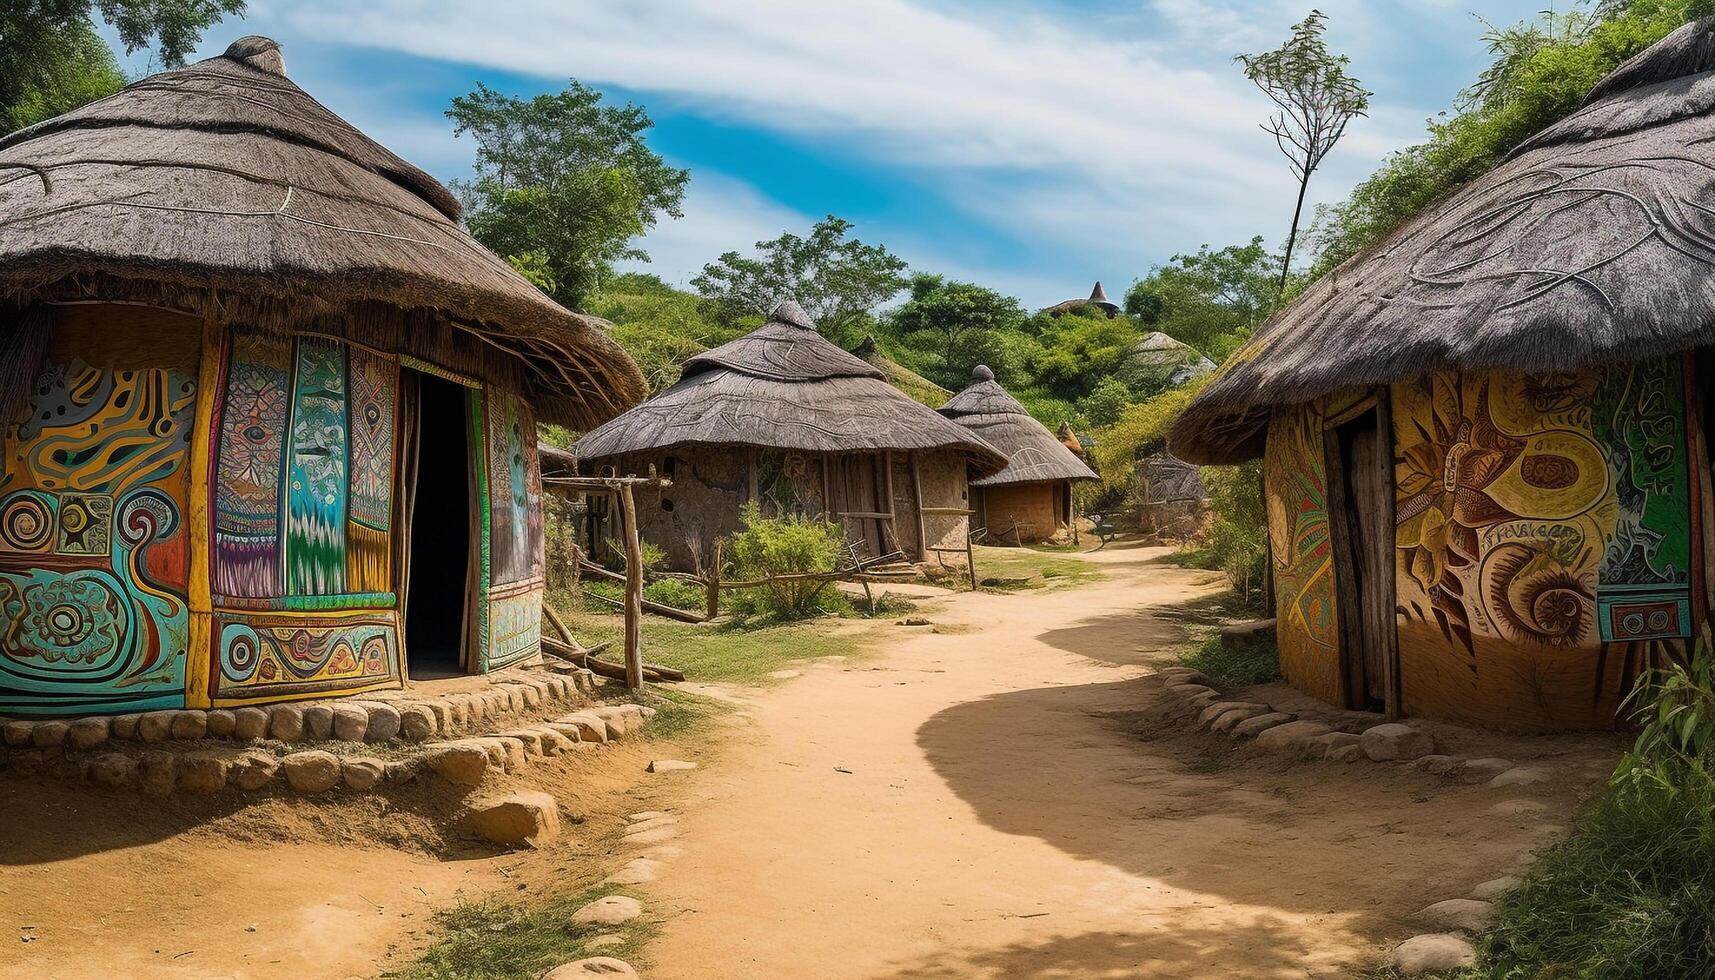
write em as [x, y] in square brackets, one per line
[1296, 497]
[95, 546]
[945, 486]
[1544, 541]
[513, 560]
[304, 451]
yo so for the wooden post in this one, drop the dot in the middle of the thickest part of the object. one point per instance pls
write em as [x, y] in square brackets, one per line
[633, 592]
[970, 555]
[713, 580]
[917, 496]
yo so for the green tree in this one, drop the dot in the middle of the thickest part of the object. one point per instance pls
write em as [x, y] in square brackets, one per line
[951, 327]
[835, 278]
[564, 183]
[659, 326]
[1211, 299]
[1104, 405]
[1076, 352]
[52, 60]
[1314, 100]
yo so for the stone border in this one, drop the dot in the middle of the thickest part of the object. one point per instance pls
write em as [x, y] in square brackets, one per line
[388, 716]
[1453, 920]
[464, 762]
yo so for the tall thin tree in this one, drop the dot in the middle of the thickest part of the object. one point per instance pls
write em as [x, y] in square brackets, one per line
[1314, 99]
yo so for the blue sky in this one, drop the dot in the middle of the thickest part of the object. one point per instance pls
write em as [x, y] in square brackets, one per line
[1033, 147]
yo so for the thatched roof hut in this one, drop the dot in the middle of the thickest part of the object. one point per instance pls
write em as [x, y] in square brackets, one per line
[785, 418]
[225, 186]
[1098, 299]
[1161, 361]
[1484, 439]
[1029, 500]
[915, 385]
[267, 410]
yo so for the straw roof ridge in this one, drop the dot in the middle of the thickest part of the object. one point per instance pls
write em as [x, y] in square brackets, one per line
[900, 376]
[784, 386]
[225, 181]
[1033, 453]
[1591, 244]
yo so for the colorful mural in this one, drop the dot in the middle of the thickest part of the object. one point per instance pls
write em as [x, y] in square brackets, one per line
[374, 405]
[251, 455]
[315, 504]
[292, 654]
[1538, 517]
[94, 552]
[515, 624]
[515, 490]
[1296, 495]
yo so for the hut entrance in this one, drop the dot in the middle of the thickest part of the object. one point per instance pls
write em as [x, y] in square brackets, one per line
[860, 496]
[1360, 526]
[436, 593]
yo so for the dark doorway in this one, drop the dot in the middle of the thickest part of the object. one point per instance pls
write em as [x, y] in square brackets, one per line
[436, 596]
[1360, 524]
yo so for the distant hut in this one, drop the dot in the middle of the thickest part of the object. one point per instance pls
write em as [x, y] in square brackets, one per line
[1485, 440]
[1159, 361]
[915, 385]
[1098, 299]
[785, 418]
[269, 412]
[1031, 499]
[1069, 439]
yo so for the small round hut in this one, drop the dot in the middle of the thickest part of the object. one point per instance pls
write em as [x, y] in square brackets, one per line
[1097, 300]
[269, 411]
[1031, 499]
[785, 418]
[1485, 440]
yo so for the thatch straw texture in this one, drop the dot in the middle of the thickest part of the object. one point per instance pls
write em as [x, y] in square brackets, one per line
[1098, 299]
[1033, 453]
[784, 386]
[224, 183]
[1594, 242]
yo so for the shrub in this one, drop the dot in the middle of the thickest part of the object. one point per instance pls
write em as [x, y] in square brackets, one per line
[769, 547]
[677, 593]
[1237, 538]
[1631, 894]
[1241, 664]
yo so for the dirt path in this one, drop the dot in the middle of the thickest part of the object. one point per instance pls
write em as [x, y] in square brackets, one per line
[991, 801]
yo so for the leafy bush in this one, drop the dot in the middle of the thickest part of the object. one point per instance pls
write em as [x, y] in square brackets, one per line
[677, 593]
[770, 547]
[1255, 661]
[1631, 894]
[1237, 539]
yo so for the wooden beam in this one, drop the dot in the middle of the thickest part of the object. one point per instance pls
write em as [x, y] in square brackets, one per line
[917, 497]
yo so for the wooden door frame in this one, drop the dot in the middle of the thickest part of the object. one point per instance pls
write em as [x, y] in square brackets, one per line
[1349, 594]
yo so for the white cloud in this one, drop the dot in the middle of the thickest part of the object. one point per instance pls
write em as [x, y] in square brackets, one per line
[721, 215]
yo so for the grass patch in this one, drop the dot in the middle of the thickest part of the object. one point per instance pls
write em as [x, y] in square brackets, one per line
[1239, 665]
[495, 940]
[1032, 567]
[1204, 558]
[730, 653]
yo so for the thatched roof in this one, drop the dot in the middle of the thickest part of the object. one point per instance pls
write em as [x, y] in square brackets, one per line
[1167, 360]
[1098, 299]
[1594, 242]
[224, 184]
[784, 386]
[913, 384]
[1033, 453]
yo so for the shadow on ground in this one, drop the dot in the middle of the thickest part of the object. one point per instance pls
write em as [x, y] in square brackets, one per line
[1271, 951]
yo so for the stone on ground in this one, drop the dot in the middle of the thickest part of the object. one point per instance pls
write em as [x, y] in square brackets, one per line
[524, 817]
[1385, 743]
[314, 771]
[318, 722]
[253, 769]
[1520, 776]
[87, 733]
[609, 911]
[221, 723]
[1438, 765]
[249, 724]
[1207, 716]
[155, 726]
[17, 732]
[1229, 720]
[1185, 692]
[48, 734]
[594, 966]
[113, 770]
[362, 773]
[156, 773]
[416, 722]
[1433, 951]
[124, 727]
[606, 940]
[648, 815]
[636, 872]
[189, 724]
[1344, 753]
[590, 728]
[464, 763]
[1260, 723]
[1290, 737]
[1483, 770]
[203, 773]
[350, 722]
[656, 835]
[1457, 915]
[1494, 888]
[286, 722]
[670, 765]
[384, 721]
